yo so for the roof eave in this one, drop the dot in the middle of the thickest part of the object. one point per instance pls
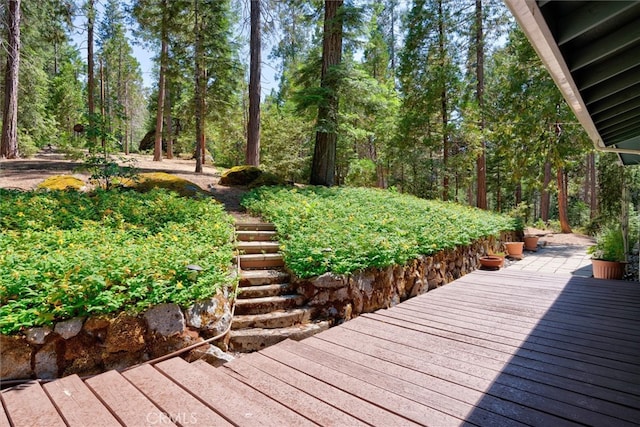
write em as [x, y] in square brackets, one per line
[531, 21]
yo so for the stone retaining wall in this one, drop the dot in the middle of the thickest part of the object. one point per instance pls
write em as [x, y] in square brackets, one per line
[343, 297]
[88, 346]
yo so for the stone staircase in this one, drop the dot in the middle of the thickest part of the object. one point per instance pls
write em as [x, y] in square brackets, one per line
[268, 309]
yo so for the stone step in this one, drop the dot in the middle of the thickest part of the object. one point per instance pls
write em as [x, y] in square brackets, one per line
[261, 291]
[267, 304]
[251, 236]
[255, 261]
[246, 340]
[263, 277]
[255, 226]
[273, 320]
[257, 247]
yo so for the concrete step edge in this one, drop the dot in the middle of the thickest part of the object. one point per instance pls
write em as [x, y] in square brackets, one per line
[273, 320]
[255, 226]
[246, 340]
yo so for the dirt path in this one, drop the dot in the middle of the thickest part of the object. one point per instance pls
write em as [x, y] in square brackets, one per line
[26, 174]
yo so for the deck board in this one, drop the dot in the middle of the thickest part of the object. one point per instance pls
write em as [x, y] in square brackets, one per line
[364, 389]
[309, 406]
[501, 348]
[327, 393]
[4, 420]
[179, 405]
[77, 404]
[460, 377]
[449, 397]
[125, 402]
[241, 405]
[29, 405]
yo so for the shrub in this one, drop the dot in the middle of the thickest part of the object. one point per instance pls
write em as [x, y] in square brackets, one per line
[347, 229]
[66, 254]
[61, 182]
[145, 182]
[266, 178]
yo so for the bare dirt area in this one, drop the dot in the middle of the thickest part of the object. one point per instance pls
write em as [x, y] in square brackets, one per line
[549, 238]
[26, 174]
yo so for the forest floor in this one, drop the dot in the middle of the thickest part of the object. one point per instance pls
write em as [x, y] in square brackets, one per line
[26, 174]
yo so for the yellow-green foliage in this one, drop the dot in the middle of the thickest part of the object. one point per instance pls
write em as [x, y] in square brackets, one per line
[267, 178]
[240, 175]
[148, 181]
[61, 182]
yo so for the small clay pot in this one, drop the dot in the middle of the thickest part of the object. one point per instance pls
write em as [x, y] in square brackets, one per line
[514, 249]
[531, 243]
[492, 261]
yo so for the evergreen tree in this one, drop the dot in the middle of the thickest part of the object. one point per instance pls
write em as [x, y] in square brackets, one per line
[9, 141]
[324, 156]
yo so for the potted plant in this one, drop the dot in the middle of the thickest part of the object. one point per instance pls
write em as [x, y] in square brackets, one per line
[608, 254]
[514, 249]
[531, 243]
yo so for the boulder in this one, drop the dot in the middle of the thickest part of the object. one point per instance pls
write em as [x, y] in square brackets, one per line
[37, 336]
[165, 319]
[210, 354]
[47, 364]
[163, 345]
[97, 326]
[240, 175]
[83, 355]
[125, 333]
[330, 281]
[15, 354]
[69, 328]
[211, 317]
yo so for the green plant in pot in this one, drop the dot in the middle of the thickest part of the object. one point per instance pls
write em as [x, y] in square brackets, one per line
[608, 254]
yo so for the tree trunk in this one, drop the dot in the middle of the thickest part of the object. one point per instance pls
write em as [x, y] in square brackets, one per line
[443, 108]
[103, 141]
[125, 104]
[253, 134]
[562, 201]
[481, 163]
[91, 84]
[199, 95]
[9, 141]
[323, 167]
[157, 146]
[545, 197]
[169, 122]
[498, 192]
[593, 200]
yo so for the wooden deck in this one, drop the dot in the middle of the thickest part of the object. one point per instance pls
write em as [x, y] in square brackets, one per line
[493, 348]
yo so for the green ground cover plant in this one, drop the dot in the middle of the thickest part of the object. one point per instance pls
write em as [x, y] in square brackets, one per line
[66, 254]
[346, 229]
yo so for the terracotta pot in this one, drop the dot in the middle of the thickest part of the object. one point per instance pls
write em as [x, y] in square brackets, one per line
[514, 249]
[531, 243]
[492, 261]
[613, 270]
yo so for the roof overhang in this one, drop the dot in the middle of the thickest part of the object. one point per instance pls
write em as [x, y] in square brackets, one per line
[592, 51]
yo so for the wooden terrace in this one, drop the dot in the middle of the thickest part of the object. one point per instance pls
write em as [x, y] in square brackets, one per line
[490, 349]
